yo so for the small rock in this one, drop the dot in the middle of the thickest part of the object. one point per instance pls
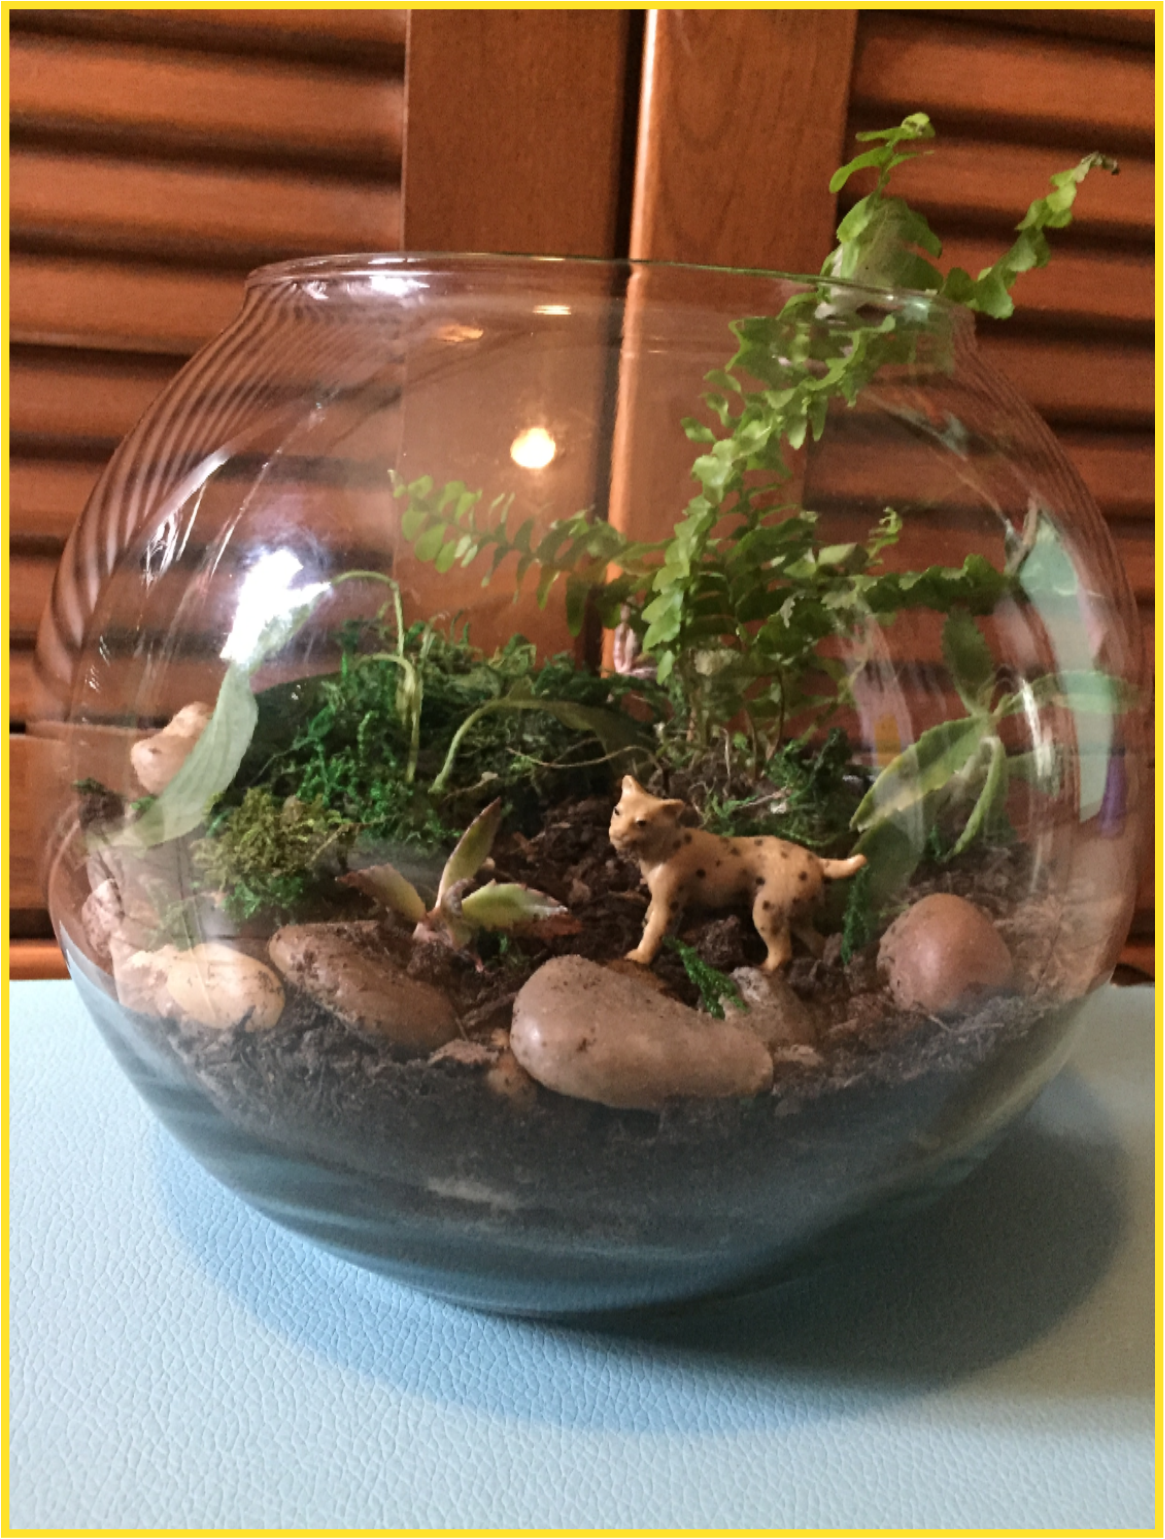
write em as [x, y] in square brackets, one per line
[101, 917]
[774, 1013]
[507, 1078]
[831, 951]
[588, 1032]
[721, 943]
[578, 893]
[474, 1055]
[342, 969]
[157, 759]
[943, 953]
[220, 987]
[797, 1055]
[140, 978]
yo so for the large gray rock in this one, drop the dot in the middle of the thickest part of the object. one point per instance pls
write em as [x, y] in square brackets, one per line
[342, 969]
[591, 1033]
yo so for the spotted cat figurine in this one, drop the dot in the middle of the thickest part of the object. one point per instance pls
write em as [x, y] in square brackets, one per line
[689, 865]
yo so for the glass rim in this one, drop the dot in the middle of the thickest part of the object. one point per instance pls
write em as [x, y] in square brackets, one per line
[344, 266]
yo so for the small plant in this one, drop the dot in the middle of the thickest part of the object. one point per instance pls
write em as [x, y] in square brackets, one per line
[458, 912]
[714, 987]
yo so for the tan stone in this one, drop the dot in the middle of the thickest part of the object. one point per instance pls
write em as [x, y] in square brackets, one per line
[588, 1032]
[342, 971]
[944, 953]
[220, 987]
[157, 759]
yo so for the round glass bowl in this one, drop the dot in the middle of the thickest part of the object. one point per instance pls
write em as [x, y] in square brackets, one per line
[567, 781]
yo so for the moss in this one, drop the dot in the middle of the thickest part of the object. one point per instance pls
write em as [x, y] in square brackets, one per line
[271, 856]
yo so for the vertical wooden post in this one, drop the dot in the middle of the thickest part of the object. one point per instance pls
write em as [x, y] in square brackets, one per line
[515, 130]
[741, 125]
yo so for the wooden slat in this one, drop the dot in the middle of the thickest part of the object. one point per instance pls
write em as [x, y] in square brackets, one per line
[32, 959]
[1142, 955]
[30, 578]
[978, 182]
[1097, 286]
[1118, 469]
[136, 306]
[62, 396]
[24, 891]
[110, 203]
[1117, 25]
[171, 99]
[46, 496]
[734, 101]
[370, 37]
[515, 133]
[1088, 92]
[20, 685]
[1137, 546]
[1094, 383]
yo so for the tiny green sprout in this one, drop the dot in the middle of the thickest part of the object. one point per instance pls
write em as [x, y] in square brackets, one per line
[458, 911]
[714, 986]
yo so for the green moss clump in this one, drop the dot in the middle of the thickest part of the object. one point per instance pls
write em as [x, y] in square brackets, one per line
[270, 856]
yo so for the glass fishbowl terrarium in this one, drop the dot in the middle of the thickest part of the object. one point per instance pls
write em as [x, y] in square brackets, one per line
[573, 779]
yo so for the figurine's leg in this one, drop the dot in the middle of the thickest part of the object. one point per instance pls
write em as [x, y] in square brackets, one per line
[810, 938]
[773, 928]
[663, 908]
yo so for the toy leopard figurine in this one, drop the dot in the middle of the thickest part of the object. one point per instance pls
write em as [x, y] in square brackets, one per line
[689, 865]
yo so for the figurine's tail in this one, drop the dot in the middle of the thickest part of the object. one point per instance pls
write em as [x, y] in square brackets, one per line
[831, 870]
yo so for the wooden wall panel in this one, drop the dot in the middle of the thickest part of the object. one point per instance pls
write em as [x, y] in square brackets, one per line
[517, 130]
[741, 125]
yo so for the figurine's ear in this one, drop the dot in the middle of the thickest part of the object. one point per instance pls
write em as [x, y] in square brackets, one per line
[674, 805]
[631, 784]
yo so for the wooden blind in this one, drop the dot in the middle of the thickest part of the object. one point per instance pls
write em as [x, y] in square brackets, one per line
[156, 157]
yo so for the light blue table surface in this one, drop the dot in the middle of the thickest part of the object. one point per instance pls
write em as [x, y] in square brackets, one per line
[177, 1360]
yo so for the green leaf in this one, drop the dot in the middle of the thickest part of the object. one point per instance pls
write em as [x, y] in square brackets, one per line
[208, 769]
[925, 766]
[969, 658]
[390, 889]
[893, 850]
[430, 542]
[508, 906]
[472, 849]
[992, 796]
[576, 604]
[616, 732]
[991, 291]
